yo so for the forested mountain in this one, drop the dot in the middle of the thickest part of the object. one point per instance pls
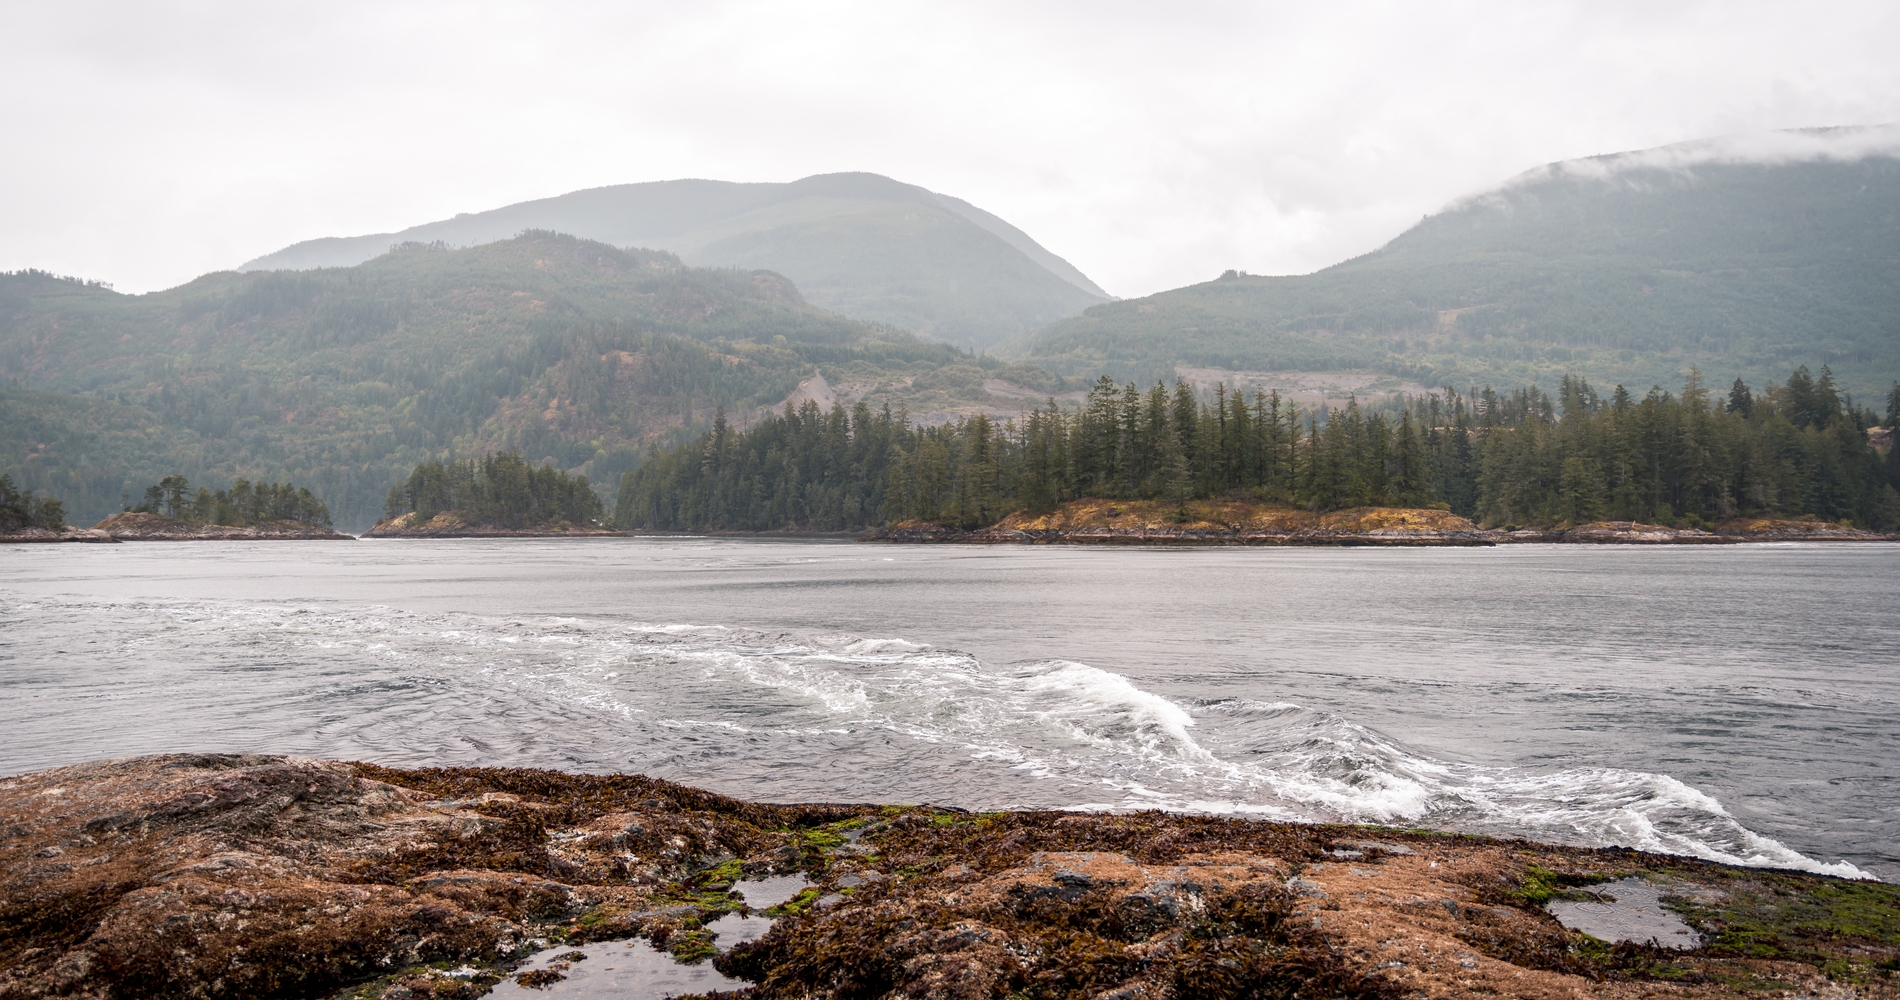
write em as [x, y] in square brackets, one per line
[1630, 268]
[344, 379]
[858, 244]
[1518, 458]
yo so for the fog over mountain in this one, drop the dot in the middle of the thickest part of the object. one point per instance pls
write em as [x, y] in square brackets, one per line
[1741, 255]
[859, 244]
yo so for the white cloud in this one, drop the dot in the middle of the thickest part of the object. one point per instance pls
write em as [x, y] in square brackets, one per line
[1150, 145]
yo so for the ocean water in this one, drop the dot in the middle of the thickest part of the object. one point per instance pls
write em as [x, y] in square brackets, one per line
[1740, 703]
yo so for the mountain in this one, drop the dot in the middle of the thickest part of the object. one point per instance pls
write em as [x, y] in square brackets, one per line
[343, 379]
[858, 244]
[1741, 256]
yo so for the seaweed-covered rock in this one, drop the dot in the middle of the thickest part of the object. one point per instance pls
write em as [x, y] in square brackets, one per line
[213, 876]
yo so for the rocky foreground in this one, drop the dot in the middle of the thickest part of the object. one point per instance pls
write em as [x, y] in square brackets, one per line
[260, 876]
[1238, 522]
[453, 524]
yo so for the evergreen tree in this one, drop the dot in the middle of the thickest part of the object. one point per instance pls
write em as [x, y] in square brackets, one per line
[1523, 457]
[21, 509]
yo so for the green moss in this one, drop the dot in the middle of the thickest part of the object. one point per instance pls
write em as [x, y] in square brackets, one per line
[721, 877]
[1804, 919]
[691, 947]
[795, 905]
[823, 841]
[1542, 885]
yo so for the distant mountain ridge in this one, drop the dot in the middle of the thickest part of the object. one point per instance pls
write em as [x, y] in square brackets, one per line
[572, 352]
[859, 244]
[1741, 255]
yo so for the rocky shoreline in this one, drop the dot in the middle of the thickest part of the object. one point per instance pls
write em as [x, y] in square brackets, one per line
[1099, 522]
[65, 534]
[452, 524]
[220, 876]
[140, 527]
[137, 527]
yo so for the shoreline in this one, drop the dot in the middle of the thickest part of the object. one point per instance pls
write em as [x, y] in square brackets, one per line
[451, 524]
[1241, 523]
[227, 875]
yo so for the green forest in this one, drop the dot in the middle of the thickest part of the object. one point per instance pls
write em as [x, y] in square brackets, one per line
[21, 509]
[501, 490]
[1617, 273]
[592, 359]
[245, 503]
[571, 352]
[1522, 458]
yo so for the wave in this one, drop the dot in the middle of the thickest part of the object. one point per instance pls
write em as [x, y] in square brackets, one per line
[870, 717]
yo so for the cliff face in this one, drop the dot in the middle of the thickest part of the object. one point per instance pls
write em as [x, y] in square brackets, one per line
[137, 527]
[453, 524]
[219, 876]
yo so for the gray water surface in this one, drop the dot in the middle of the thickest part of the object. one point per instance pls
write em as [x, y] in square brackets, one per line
[1737, 703]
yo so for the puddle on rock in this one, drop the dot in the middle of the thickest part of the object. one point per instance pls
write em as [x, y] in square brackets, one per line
[634, 970]
[1633, 912]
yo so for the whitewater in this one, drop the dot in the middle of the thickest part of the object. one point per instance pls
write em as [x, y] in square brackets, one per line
[1551, 694]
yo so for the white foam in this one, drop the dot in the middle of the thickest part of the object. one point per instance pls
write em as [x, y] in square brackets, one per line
[1112, 743]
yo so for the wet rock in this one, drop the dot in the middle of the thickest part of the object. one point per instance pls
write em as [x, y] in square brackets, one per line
[1629, 910]
[223, 876]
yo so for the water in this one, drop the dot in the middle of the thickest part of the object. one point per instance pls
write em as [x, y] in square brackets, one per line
[1629, 909]
[636, 970]
[1737, 703]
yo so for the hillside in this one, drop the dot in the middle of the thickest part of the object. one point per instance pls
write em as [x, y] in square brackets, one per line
[1743, 257]
[857, 244]
[344, 379]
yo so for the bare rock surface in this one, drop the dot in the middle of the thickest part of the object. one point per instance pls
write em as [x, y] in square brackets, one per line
[452, 524]
[68, 533]
[220, 876]
[1206, 522]
[1239, 522]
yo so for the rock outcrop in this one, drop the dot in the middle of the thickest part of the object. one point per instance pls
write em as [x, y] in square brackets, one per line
[215, 876]
[134, 526]
[65, 534]
[453, 524]
[1237, 522]
[1205, 522]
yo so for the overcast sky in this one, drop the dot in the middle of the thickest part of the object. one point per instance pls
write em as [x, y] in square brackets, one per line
[1153, 145]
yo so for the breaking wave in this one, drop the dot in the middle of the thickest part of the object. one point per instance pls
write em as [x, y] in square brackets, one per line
[781, 716]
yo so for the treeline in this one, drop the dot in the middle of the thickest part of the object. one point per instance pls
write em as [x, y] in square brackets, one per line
[806, 471]
[499, 490]
[1518, 458]
[21, 509]
[559, 348]
[245, 503]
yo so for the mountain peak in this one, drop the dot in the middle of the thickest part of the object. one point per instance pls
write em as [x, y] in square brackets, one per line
[860, 244]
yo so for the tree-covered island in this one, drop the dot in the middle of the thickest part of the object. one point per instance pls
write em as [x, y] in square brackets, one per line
[171, 510]
[23, 515]
[493, 496]
[1690, 461]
